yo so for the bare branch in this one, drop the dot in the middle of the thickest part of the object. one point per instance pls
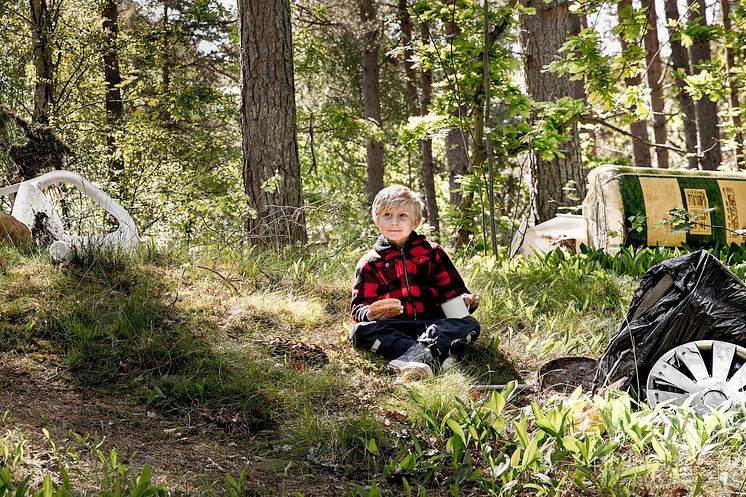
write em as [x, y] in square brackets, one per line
[595, 120]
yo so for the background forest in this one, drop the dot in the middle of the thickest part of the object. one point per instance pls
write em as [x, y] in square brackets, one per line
[495, 111]
[204, 364]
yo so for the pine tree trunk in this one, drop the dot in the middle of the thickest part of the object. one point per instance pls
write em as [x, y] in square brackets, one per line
[639, 129]
[41, 31]
[457, 153]
[372, 95]
[112, 76]
[166, 61]
[655, 83]
[680, 61]
[410, 74]
[426, 146]
[405, 22]
[730, 61]
[554, 22]
[464, 221]
[457, 157]
[707, 111]
[271, 168]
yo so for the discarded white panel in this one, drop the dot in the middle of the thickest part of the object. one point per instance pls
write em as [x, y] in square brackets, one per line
[567, 231]
[35, 210]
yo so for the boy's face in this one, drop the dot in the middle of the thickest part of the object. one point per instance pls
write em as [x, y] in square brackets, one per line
[396, 224]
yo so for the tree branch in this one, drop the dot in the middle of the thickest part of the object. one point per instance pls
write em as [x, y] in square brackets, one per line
[595, 120]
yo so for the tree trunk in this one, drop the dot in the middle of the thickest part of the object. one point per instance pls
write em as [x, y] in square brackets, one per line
[112, 76]
[680, 61]
[730, 64]
[639, 129]
[655, 82]
[166, 62]
[426, 146]
[271, 169]
[707, 111]
[372, 95]
[555, 22]
[457, 157]
[457, 153]
[41, 31]
[464, 221]
[405, 22]
[410, 74]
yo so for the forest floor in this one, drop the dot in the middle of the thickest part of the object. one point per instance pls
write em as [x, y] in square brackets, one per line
[191, 367]
[189, 454]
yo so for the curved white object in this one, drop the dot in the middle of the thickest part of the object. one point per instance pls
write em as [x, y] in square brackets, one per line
[31, 203]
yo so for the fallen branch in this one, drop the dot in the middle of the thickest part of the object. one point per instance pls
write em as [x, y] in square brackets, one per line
[225, 279]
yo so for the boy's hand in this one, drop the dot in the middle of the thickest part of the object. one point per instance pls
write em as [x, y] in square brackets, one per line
[471, 300]
[383, 309]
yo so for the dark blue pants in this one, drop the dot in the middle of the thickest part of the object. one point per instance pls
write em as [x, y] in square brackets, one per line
[392, 337]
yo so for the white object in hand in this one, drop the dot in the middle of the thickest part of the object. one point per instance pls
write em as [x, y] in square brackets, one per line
[455, 307]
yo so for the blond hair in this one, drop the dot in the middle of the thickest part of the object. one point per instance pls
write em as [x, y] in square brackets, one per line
[397, 196]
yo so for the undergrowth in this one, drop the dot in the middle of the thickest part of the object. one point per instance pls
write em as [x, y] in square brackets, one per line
[209, 333]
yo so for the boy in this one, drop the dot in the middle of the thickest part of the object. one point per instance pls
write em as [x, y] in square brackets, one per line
[406, 276]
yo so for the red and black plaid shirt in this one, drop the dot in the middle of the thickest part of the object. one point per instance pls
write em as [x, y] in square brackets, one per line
[419, 273]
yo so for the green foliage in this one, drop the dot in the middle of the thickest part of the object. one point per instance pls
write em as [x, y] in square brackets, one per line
[117, 480]
[603, 446]
[114, 317]
[152, 316]
[550, 305]
[553, 125]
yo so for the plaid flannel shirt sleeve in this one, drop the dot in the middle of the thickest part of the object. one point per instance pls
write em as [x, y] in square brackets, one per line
[448, 281]
[364, 292]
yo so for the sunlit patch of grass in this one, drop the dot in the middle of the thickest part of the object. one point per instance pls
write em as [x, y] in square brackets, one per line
[430, 400]
[273, 311]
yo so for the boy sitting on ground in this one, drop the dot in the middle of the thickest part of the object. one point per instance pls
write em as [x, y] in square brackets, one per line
[399, 287]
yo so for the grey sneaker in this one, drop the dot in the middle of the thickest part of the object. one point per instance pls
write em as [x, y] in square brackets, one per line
[447, 364]
[416, 357]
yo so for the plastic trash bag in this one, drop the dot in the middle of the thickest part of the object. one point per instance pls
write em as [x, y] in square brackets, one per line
[691, 297]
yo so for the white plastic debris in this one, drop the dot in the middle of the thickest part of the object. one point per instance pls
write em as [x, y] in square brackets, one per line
[35, 210]
[566, 231]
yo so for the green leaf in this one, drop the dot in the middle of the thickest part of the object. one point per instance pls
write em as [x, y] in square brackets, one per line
[698, 487]
[637, 471]
[456, 428]
[373, 447]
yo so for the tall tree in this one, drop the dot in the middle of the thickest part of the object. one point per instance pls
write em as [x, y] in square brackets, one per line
[638, 129]
[655, 83]
[113, 78]
[680, 61]
[426, 145]
[372, 94]
[707, 113]
[42, 28]
[551, 176]
[271, 167]
[410, 74]
[457, 153]
[730, 64]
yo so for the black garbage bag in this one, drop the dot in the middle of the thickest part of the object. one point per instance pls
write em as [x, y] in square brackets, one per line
[691, 297]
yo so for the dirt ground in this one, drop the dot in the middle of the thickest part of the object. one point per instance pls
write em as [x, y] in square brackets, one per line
[190, 455]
